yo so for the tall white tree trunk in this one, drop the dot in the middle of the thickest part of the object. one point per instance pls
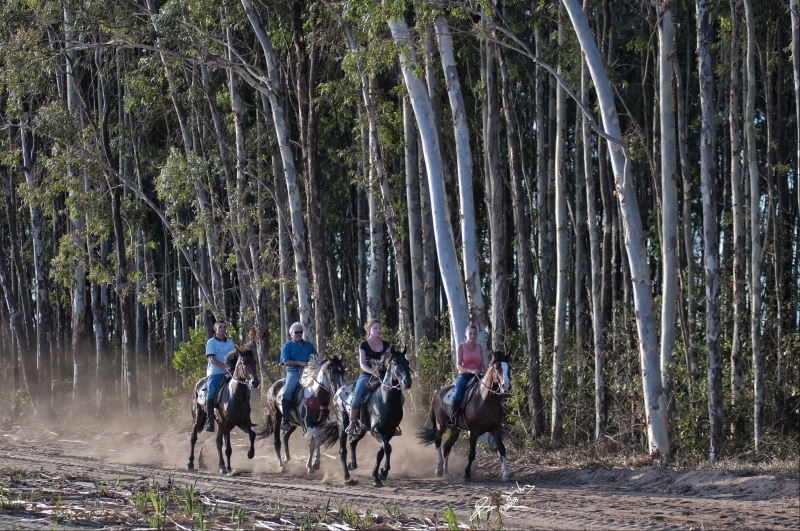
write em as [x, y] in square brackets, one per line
[562, 252]
[755, 228]
[669, 198]
[295, 205]
[472, 273]
[796, 63]
[655, 405]
[739, 235]
[377, 266]
[445, 246]
[710, 252]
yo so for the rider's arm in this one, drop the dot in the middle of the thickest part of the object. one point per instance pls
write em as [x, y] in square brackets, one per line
[460, 360]
[213, 361]
[362, 362]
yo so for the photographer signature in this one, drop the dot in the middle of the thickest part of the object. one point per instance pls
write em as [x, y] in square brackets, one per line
[511, 500]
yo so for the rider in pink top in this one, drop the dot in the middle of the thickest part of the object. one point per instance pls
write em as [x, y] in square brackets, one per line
[469, 362]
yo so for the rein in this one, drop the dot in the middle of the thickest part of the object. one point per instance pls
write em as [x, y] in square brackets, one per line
[494, 381]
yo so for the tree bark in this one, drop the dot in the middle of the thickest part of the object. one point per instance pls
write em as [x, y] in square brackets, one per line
[755, 230]
[519, 200]
[796, 64]
[414, 222]
[710, 252]
[669, 201]
[655, 405]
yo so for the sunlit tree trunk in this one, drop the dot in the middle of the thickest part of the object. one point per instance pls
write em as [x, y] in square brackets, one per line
[669, 200]
[562, 252]
[295, 209]
[414, 229]
[796, 64]
[755, 228]
[710, 251]
[445, 246]
[472, 274]
[655, 405]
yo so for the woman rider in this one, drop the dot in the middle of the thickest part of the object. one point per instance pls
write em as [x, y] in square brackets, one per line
[469, 363]
[373, 348]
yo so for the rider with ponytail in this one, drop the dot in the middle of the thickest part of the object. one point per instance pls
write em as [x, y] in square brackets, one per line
[469, 363]
[370, 350]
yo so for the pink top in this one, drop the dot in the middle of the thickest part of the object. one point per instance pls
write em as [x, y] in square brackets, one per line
[471, 359]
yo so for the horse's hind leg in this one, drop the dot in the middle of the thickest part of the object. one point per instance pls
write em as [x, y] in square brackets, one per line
[376, 481]
[311, 446]
[385, 446]
[198, 424]
[228, 449]
[219, 451]
[448, 445]
[286, 442]
[343, 453]
[473, 439]
[276, 442]
[498, 437]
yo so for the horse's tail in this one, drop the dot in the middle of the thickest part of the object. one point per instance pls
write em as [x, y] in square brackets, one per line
[328, 434]
[267, 422]
[427, 435]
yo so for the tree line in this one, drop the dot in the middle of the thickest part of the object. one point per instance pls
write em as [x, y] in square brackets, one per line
[608, 191]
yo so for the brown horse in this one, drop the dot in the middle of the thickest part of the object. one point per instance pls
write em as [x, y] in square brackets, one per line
[482, 413]
[233, 409]
[319, 381]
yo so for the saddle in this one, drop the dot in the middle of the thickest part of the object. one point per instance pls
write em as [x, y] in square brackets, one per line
[202, 395]
[472, 386]
[346, 393]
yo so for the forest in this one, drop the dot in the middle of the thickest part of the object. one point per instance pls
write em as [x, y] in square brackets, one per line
[608, 191]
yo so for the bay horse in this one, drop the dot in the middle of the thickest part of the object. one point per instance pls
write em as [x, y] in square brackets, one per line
[319, 381]
[233, 409]
[380, 415]
[481, 413]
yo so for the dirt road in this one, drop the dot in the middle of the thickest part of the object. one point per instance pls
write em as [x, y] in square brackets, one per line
[546, 498]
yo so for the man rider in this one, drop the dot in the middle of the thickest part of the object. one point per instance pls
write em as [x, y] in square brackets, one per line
[295, 355]
[216, 349]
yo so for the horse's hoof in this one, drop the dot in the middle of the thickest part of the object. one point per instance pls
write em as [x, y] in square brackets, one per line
[222, 470]
[506, 477]
[384, 474]
[250, 454]
[309, 470]
[315, 466]
[350, 481]
[352, 466]
[377, 483]
[467, 479]
[282, 469]
[439, 473]
[190, 466]
[229, 470]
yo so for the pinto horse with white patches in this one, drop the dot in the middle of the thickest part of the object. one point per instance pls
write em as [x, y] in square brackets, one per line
[481, 413]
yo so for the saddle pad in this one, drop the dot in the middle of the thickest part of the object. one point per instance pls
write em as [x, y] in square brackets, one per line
[346, 394]
[448, 397]
[202, 395]
[297, 392]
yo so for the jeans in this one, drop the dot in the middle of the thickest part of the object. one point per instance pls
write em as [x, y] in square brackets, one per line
[213, 384]
[358, 394]
[292, 379]
[461, 386]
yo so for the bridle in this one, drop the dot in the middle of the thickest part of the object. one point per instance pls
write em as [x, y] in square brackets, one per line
[239, 369]
[495, 378]
[399, 385]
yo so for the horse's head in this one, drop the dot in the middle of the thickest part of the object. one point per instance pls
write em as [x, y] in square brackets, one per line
[246, 367]
[498, 376]
[334, 372]
[399, 368]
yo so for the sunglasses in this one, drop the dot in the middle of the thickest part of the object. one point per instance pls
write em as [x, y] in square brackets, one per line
[298, 332]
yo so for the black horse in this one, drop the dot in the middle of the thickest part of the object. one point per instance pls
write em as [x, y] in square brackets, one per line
[380, 415]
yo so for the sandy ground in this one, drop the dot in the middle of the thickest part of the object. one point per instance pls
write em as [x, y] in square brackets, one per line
[536, 497]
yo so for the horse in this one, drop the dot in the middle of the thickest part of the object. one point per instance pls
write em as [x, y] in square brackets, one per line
[482, 413]
[380, 415]
[233, 409]
[319, 381]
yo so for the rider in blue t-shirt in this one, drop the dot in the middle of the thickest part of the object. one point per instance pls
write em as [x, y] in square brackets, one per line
[216, 350]
[295, 356]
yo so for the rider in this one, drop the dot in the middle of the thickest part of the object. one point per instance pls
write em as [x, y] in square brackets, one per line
[216, 349]
[469, 362]
[373, 348]
[295, 355]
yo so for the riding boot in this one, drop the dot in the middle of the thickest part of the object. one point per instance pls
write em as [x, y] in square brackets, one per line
[454, 413]
[287, 406]
[210, 411]
[354, 422]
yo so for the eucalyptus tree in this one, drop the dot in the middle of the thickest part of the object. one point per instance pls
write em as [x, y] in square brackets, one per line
[796, 70]
[710, 252]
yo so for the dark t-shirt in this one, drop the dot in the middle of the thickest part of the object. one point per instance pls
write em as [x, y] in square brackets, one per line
[371, 354]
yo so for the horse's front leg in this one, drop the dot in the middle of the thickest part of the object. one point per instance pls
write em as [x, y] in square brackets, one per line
[252, 435]
[385, 447]
[228, 450]
[315, 463]
[219, 451]
[473, 440]
[498, 437]
[311, 446]
[198, 424]
[276, 442]
[343, 453]
[353, 443]
[286, 442]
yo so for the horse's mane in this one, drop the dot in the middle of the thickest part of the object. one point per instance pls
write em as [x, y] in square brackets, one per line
[233, 356]
[311, 370]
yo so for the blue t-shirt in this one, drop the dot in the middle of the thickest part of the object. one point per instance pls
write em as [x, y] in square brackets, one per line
[218, 349]
[295, 352]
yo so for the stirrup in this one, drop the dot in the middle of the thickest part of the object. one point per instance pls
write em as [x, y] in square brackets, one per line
[285, 424]
[398, 432]
[452, 424]
[353, 427]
